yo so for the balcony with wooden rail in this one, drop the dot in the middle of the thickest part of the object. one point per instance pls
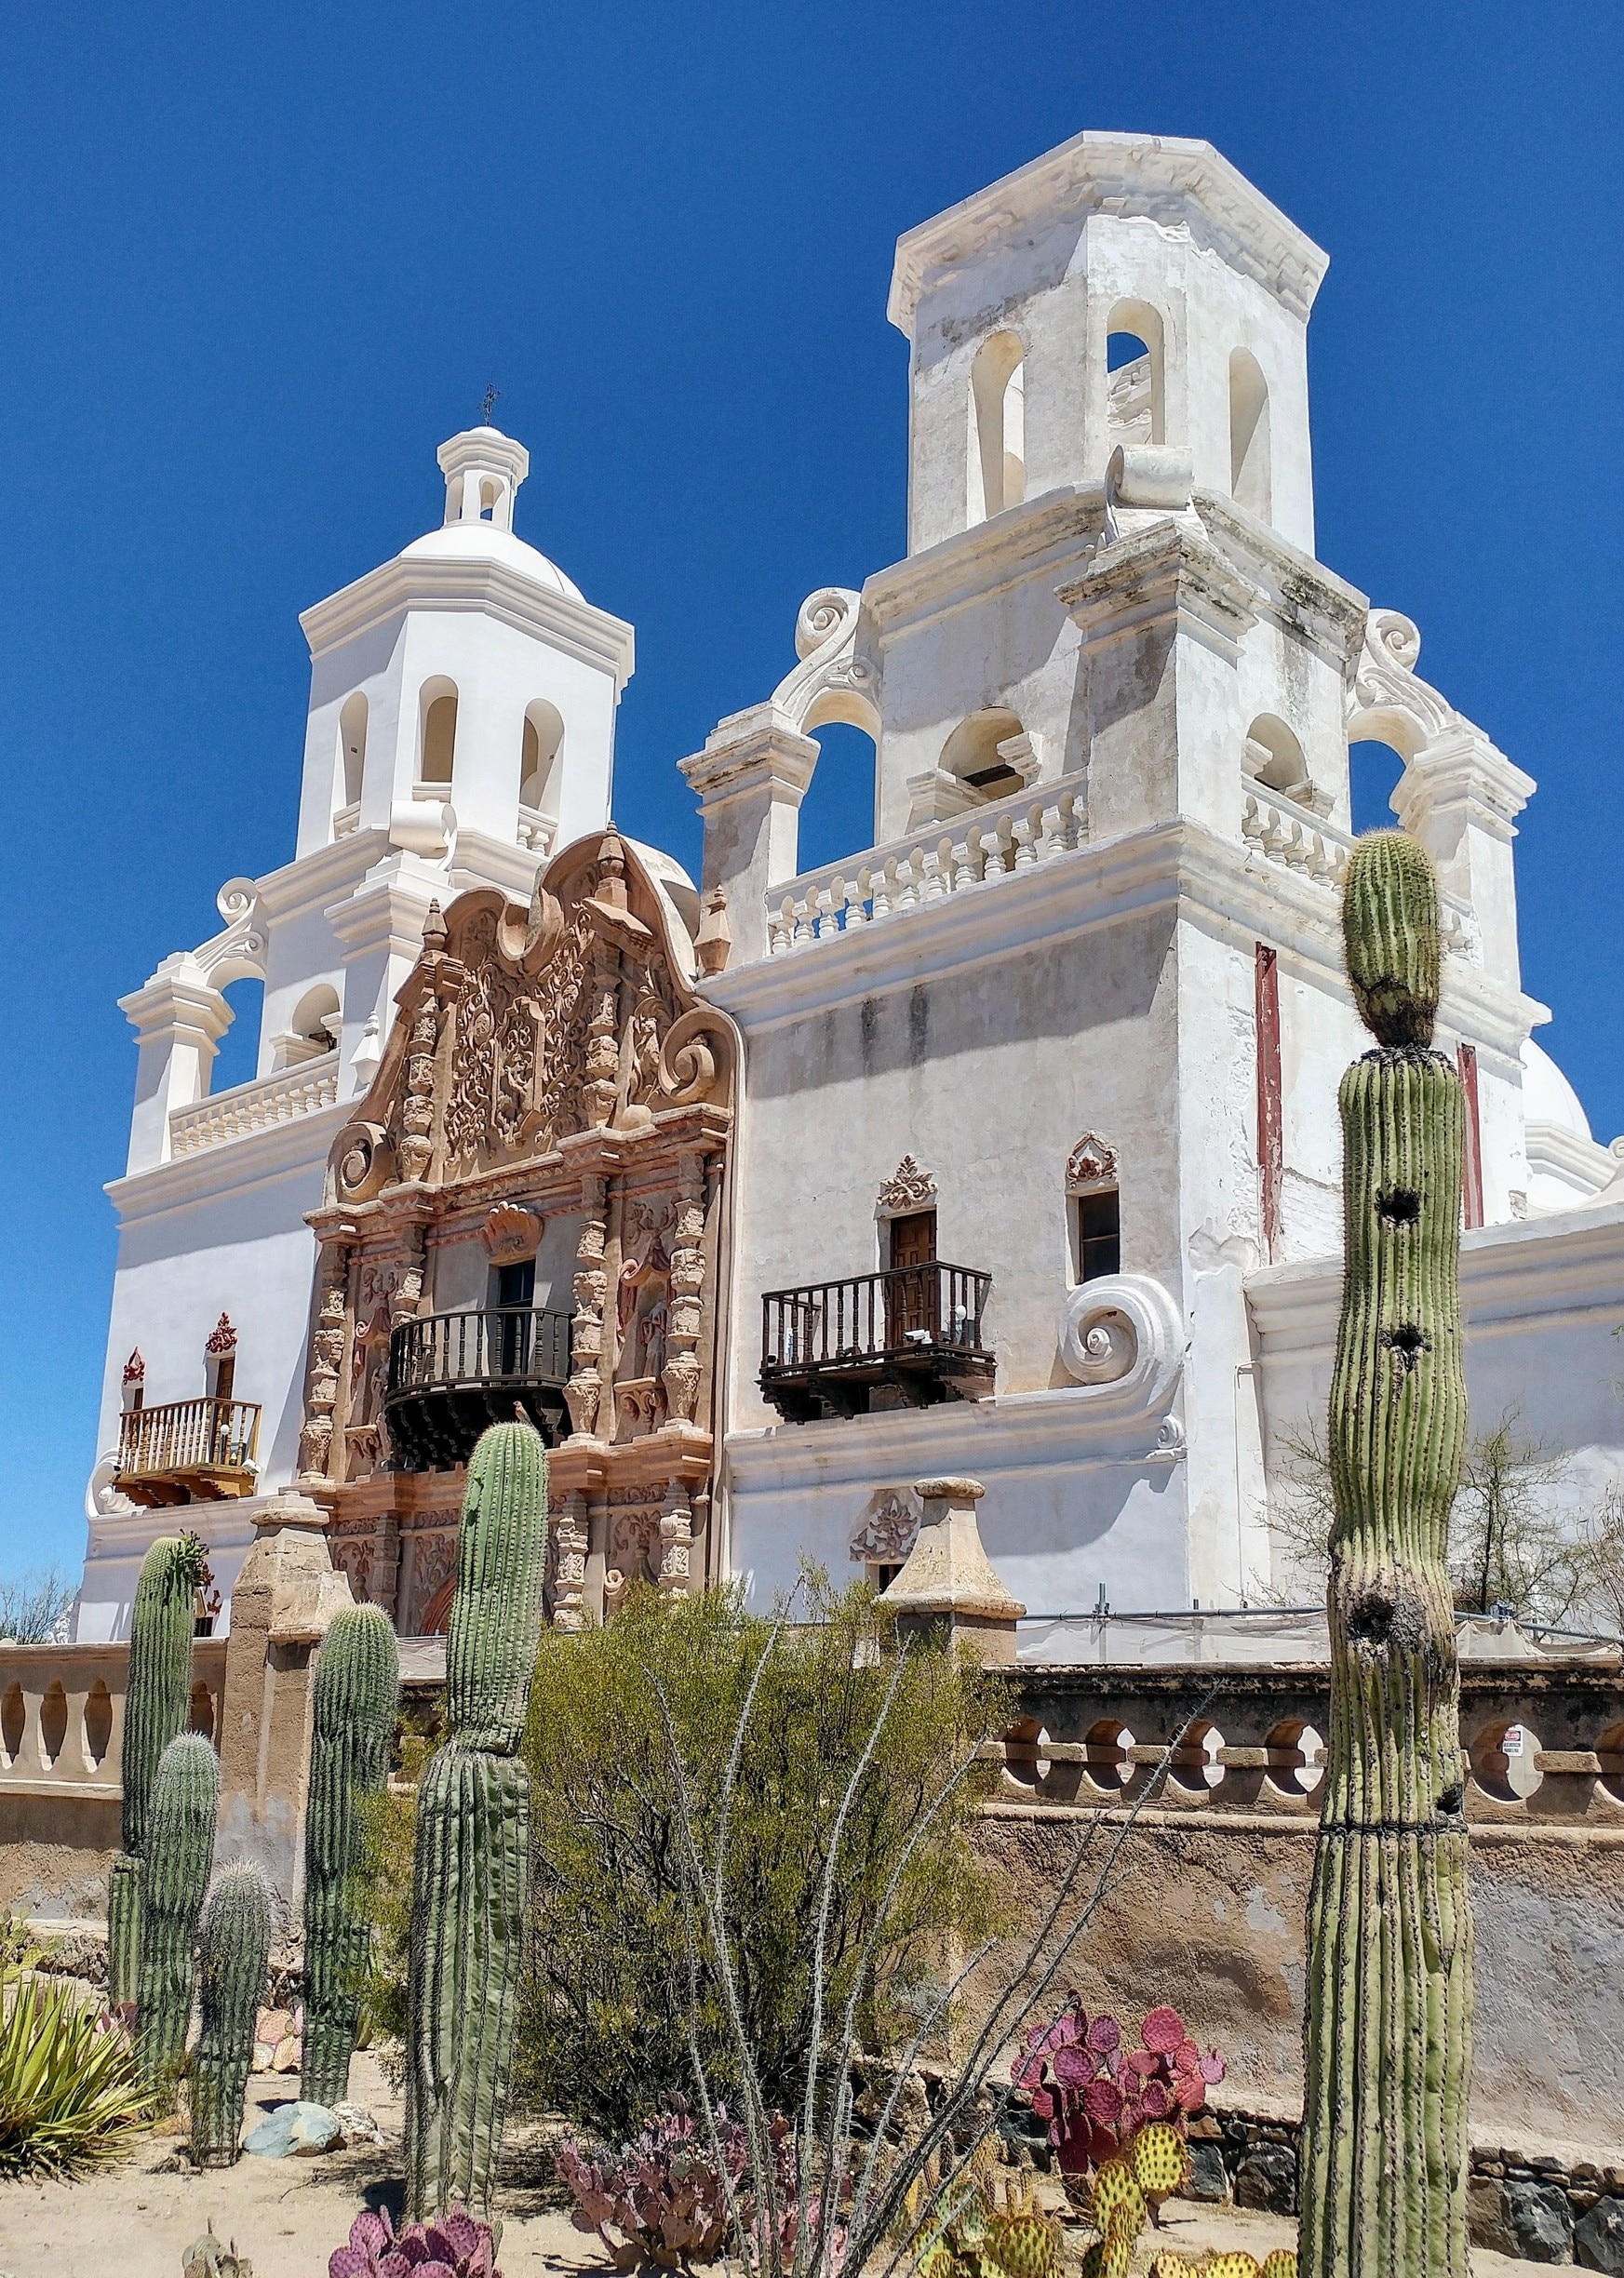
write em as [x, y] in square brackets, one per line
[452, 1374]
[911, 1335]
[191, 1450]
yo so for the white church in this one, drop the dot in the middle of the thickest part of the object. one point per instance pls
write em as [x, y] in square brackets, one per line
[1005, 1147]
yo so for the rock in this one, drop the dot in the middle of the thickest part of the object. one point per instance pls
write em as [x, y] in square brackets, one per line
[1266, 2177]
[1208, 2177]
[1541, 2222]
[298, 2130]
[1488, 2215]
[358, 2124]
[1598, 2238]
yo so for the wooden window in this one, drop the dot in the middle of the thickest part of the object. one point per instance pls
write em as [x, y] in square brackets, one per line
[1099, 1233]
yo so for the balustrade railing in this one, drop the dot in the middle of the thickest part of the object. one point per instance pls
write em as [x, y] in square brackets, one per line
[1298, 839]
[943, 859]
[61, 1714]
[444, 1350]
[255, 1107]
[874, 1316]
[184, 1439]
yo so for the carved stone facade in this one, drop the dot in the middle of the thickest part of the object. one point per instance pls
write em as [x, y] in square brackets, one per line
[552, 1093]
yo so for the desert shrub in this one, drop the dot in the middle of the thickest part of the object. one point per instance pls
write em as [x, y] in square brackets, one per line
[606, 2010]
[70, 2095]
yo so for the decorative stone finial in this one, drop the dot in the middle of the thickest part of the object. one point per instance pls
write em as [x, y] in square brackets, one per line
[714, 942]
[433, 929]
[948, 1583]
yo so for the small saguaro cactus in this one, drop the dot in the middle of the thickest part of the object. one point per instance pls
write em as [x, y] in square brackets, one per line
[180, 1853]
[155, 1710]
[234, 1951]
[471, 1870]
[357, 1684]
[1388, 2032]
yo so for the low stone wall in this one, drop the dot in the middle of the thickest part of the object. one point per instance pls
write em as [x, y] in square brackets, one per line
[61, 1733]
[1208, 1888]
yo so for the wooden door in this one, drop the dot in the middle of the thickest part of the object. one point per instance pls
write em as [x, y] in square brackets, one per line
[910, 1294]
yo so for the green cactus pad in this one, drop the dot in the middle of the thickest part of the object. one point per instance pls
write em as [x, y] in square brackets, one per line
[180, 1853]
[1158, 2160]
[1282, 2263]
[354, 1697]
[1114, 2189]
[1389, 933]
[234, 1946]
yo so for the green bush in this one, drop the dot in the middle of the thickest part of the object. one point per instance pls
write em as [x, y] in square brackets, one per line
[602, 2026]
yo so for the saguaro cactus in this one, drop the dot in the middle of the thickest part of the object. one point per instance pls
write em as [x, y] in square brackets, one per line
[1388, 2027]
[155, 1711]
[358, 1683]
[179, 1851]
[234, 1951]
[471, 1871]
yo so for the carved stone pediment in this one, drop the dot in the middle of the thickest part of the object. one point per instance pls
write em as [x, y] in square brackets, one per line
[1092, 1162]
[511, 1234]
[520, 1027]
[907, 1189]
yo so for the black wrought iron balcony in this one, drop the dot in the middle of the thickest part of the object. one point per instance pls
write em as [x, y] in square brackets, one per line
[450, 1374]
[829, 1348]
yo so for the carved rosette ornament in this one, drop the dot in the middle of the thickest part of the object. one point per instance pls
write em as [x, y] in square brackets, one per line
[1092, 1162]
[511, 1234]
[907, 1189]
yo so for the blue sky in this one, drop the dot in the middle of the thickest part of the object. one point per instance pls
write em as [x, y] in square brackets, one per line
[259, 262]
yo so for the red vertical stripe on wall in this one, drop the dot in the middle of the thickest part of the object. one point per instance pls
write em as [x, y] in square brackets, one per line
[1465, 1060]
[1270, 1145]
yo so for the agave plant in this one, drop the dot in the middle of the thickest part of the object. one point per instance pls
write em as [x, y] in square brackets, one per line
[1096, 2093]
[70, 2095]
[455, 2245]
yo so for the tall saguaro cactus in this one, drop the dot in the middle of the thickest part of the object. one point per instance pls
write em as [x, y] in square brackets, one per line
[471, 1871]
[179, 1851]
[234, 1951]
[155, 1711]
[1388, 2028]
[357, 1683]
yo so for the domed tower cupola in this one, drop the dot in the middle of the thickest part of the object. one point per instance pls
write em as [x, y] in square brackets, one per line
[483, 470]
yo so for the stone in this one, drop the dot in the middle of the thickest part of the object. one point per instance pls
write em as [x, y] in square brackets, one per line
[357, 2123]
[1541, 2222]
[1488, 2215]
[297, 2130]
[1208, 2177]
[1266, 2177]
[1598, 2238]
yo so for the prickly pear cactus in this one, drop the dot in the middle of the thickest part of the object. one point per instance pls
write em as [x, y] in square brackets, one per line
[471, 1870]
[155, 1711]
[180, 1853]
[234, 1949]
[1389, 2024]
[357, 1684]
[1160, 2163]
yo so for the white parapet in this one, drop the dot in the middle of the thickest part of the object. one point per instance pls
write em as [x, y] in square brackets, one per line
[255, 1107]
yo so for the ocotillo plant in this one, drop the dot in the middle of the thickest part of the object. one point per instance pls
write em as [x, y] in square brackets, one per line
[234, 1949]
[1388, 2026]
[358, 1683]
[471, 1870]
[180, 1853]
[155, 1711]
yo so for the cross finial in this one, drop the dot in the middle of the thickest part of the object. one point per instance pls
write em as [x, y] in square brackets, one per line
[488, 403]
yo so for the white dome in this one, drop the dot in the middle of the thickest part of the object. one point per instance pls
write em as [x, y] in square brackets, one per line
[481, 542]
[1548, 1097]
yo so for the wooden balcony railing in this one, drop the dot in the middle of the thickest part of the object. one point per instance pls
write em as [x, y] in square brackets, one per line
[196, 1451]
[828, 1347]
[450, 1374]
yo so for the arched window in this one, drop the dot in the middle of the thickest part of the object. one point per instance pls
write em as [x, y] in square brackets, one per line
[998, 426]
[440, 731]
[1274, 758]
[314, 1027]
[352, 748]
[539, 767]
[1136, 376]
[1373, 768]
[236, 1058]
[988, 758]
[490, 495]
[1249, 464]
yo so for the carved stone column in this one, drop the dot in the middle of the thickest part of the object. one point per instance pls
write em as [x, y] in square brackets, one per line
[327, 1352]
[584, 1393]
[681, 1370]
[417, 1112]
[675, 1538]
[570, 1546]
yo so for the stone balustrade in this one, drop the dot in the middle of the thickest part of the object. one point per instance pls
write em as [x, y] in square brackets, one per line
[973, 850]
[61, 1715]
[1543, 1742]
[1298, 839]
[255, 1107]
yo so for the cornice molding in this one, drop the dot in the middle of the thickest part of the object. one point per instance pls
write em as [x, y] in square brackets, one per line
[1171, 179]
[1025, 541]
[236, 1167]
[489, 588]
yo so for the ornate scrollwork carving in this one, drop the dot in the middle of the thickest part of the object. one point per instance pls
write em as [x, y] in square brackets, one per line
[1092, 1162]
[884, 1534]
[689, 1056]
[364, 1161]
[1122, 1339]
[834, 680]
[511, 1234]
[907, 1189]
